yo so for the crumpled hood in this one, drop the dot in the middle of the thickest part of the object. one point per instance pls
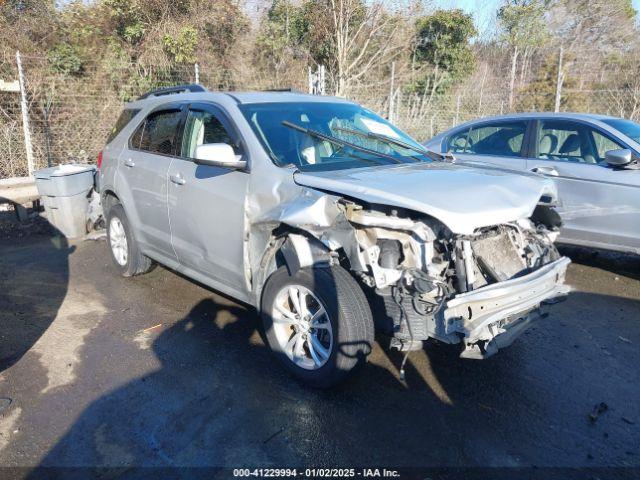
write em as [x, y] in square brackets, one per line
[461, 197]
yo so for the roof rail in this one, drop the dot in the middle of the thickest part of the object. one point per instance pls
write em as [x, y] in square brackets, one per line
[193, 88]
[292, 90]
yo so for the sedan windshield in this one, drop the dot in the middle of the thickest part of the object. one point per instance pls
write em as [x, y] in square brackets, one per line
[626, 127]
[329, 136]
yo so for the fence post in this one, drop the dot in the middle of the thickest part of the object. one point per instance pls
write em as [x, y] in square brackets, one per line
[559, 82]
[316, 81]
[28, 146]
[457, 110]
[196, 69]
[391, 92]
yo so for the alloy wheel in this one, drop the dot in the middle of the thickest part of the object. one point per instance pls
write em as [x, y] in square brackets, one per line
[118, 241]
[302, 327]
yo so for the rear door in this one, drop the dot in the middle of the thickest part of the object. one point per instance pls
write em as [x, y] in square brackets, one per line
[207, 203]
[144, 167]
[598, 204]
[498, 143]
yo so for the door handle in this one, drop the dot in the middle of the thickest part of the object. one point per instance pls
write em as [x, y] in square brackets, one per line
[129, 163]
[545, 171]
[177, 179]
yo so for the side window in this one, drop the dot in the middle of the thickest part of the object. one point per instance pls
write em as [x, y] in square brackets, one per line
[458, 142]
[501, 139]
[603, 144]
[157, 133]
[565, 141]
[136, 138]
[203, 127]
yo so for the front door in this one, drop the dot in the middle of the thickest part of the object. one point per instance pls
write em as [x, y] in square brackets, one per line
[598, 204]
[207, 203]
[499, 143]
[144, 167]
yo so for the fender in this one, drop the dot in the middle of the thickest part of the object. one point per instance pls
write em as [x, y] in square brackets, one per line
[300, 252]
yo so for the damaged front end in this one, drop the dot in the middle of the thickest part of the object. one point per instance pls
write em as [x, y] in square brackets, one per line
[481, 289]
[477, 279]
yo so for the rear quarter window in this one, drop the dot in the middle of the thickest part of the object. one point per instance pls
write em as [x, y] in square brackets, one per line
[123, 120]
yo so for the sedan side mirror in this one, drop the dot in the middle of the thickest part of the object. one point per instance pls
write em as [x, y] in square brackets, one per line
[218, 155]
[618, 158]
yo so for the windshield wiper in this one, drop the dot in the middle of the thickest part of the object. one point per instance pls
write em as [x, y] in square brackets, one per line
[394, 141]
[338, 141]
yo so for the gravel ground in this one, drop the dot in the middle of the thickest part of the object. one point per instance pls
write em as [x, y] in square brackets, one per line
[98, 370]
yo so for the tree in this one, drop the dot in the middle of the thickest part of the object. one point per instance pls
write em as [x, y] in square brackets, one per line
[590, 31]
[443, 42]
[363, 37]
[540, 94]
[127, 18]
[523, 29]
[181, 48]
[282, 38]
[65, 59]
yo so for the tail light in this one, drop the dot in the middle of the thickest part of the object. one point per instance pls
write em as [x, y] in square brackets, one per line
[99, 162]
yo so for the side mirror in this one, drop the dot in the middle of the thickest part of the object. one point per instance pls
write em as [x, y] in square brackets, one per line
[618, 158]
[218, 155]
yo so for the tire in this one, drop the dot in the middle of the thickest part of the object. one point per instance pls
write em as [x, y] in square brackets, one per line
[336, 355]
[125, 254]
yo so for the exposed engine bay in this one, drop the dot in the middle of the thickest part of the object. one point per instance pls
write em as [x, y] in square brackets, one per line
[432, 283]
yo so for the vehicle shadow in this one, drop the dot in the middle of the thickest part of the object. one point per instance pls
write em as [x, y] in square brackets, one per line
[34, 269]
[614, 262]
[220, 399]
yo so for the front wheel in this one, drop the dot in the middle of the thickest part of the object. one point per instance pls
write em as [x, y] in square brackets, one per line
[318, 323]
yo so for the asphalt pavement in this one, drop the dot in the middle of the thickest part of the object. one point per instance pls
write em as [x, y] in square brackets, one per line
[102, 371]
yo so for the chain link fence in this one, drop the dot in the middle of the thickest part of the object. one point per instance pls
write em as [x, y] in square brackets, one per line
[71, 115]
[13, 161]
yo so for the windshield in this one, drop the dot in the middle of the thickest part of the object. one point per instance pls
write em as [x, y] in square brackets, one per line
[626, 127]
[350, 136]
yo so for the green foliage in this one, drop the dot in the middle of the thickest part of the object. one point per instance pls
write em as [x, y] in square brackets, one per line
[290, 30]
[283, 28]
[522, 23]
[224, 27]
[155, 10]
[65, 59]
[128, 19]
[133, 33]
[443, 41]
[540, 95]
[182, 48]
[317, 36]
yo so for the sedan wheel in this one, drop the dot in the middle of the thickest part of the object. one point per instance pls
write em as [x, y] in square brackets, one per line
[302, 327]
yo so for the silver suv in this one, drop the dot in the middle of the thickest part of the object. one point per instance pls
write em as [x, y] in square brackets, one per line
[331, 221]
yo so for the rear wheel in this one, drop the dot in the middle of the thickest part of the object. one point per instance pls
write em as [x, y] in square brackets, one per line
[318, 323]
[123, 246]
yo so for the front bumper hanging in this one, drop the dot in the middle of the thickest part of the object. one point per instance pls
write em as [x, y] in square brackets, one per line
[492, 317]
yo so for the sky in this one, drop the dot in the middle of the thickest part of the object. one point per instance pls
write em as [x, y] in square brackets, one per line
[484, 12]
